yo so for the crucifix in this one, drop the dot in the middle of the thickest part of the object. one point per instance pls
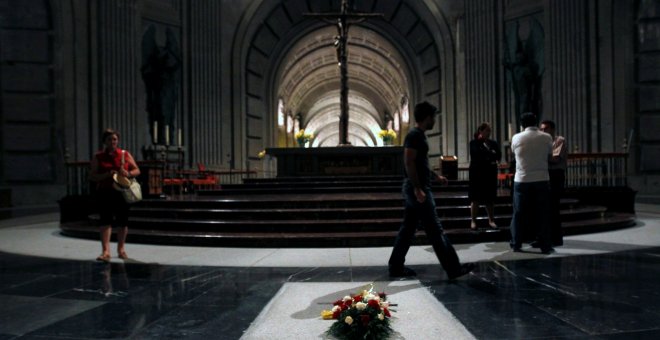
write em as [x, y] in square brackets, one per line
[343, 20]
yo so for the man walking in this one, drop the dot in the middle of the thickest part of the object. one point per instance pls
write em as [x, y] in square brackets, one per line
[419, 202]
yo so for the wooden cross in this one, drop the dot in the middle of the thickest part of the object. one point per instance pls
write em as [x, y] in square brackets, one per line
[343, 20]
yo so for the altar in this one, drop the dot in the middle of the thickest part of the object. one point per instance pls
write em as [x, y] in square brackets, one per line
[338, 161]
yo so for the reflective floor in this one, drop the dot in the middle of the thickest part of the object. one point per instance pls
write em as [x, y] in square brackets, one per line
[598, 286]
[608, 296]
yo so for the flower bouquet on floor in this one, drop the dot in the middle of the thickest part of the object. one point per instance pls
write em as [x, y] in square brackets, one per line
[363, 316]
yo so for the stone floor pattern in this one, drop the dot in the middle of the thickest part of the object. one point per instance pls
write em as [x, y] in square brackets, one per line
[598, 286]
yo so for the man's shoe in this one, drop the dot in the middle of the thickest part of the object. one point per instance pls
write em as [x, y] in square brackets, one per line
[536, 244]
[517, 250]
[402, 272]
[465, 268]
[547, 251]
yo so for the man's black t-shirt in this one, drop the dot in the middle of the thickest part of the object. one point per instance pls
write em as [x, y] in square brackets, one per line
[416, 139]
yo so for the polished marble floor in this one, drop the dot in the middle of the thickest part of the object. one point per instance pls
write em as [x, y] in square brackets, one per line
[600, 286]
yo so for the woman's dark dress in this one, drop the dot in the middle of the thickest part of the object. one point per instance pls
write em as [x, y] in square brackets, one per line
[484, 155]
[113, 210]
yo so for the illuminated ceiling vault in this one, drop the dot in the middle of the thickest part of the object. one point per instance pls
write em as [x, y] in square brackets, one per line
[309, 83]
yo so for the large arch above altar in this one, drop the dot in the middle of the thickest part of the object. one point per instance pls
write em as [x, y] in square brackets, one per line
[71, 69]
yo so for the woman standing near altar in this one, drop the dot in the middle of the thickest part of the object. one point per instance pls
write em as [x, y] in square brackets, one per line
[113, 210]
[484, 155]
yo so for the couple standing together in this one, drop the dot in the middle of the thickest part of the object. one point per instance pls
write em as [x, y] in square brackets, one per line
[540, 158]
[538, 184]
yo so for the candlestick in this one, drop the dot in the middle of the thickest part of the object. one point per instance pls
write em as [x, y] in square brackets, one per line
[167, 135]
[155, 134]
[510, 131]
[179, 137]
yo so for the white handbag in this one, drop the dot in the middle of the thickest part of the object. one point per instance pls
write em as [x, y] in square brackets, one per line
[129, 187]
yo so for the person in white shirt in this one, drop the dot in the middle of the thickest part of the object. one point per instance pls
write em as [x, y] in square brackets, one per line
[557, 170]
[531, 190]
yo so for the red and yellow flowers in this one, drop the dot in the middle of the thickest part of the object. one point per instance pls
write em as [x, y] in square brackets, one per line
[362, 316]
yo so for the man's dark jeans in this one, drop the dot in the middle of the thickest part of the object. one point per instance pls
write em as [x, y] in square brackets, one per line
[531, 213]
[425, 214]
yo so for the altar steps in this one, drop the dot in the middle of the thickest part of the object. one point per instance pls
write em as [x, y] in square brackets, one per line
[338, 224]
[446, 213]
[361, 216]
[326, 212]
[361, 238]
[323, 187]
[278, 200]
[327, 179]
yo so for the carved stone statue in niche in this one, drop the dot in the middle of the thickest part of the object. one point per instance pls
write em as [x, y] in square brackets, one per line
[524, 62]
[161, 73]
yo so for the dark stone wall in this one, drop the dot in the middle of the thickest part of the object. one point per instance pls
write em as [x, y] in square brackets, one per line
[648, 98]
[587, 63]
[30, 146]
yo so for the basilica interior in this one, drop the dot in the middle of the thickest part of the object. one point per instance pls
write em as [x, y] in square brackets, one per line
[270, 135]
[238, 77]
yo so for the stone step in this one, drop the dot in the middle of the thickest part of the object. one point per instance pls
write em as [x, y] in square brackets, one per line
[318, 189]
[314, 201]
[334, 183]
[274, 182]
[303, 179]
[503, 211]
[608, 221]
[308, 200]
[286, 222]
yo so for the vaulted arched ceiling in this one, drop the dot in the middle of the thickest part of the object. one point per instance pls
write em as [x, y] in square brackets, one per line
[309, 83]
[280, 53]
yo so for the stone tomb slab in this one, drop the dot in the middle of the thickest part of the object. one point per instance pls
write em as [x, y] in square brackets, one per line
[294, 312]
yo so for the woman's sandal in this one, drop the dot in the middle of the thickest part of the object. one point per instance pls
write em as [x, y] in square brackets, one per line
[473, 225]
[122, 255]
[493, 225]
[103, 258]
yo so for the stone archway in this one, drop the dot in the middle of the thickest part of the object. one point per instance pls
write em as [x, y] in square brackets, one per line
[416, 41]
[308, 81]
